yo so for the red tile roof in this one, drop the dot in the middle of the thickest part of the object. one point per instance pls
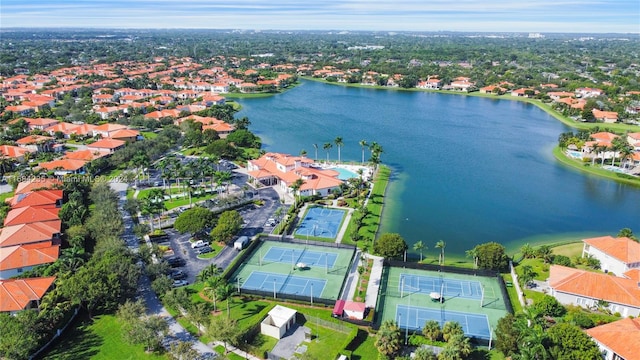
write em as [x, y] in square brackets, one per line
[36, 184]
[16, 294]
[21, 256]
[86, 154]
[622, 337]
[29, 233]
[26, 215]
[33, 139]
[64, 164]
[13, 151]
[593, 285]
[106, 144]
[39, 198]
[622, 248]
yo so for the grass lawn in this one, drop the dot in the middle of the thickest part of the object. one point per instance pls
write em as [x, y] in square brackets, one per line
[569, 250]
[101, 338]
[231, 356]
[364, 347]
[371, 223]
[5, 196]
[513, 295]
[533, 295]
[261, 344]
[538, 266]
[149, 134]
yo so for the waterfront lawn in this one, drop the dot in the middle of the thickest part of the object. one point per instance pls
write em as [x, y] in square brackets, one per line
[541, 269]
[594, 170]
[570, 250]
[100, 338]
[371, 223]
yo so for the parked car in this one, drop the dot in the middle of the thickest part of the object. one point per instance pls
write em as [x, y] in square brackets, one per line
[204, 250]
[198, 244]
[175, 261]
[178, 275]
[178, 283]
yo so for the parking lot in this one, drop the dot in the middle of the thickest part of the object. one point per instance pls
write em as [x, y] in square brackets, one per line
[255, 218]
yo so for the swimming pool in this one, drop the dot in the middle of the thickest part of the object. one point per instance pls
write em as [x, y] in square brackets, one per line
[344, 174]
[613, 168]
[574, 154]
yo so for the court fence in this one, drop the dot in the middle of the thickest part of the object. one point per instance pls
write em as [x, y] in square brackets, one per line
[292, 240]
[457, 270]
[286, 296]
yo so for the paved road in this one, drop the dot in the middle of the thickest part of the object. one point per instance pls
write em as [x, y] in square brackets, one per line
[154, 307]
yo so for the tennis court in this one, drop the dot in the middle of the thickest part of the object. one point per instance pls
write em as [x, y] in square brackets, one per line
[410, 283]
[418, 295]
[321, 222]
[414, 318]
[270, 262]
[295, 256]
[284, 284]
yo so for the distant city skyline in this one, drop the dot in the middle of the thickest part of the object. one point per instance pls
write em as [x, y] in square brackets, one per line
[565, 16]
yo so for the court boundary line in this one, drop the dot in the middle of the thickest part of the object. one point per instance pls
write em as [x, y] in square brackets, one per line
[418, 309]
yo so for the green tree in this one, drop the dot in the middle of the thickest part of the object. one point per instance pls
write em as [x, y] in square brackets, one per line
[295, 187]
[492, 256]
[457, 348]
[569, 342]
[224, 329]
[327, 147]
[419, 247]
[549, 306]
[339, 144]
[194, 220]
[390, 245]
[527, 275]
[183, 350]
[363, 145]
[424, 353]
[20, 334]
[451, 329]
[507, 335]
[431, 330]
[441, 245]
[627, 232]
[527, 251]
[229, 223]
[198, 313]
[388, 339]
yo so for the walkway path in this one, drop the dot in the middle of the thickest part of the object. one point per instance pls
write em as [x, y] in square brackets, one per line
[351, 284]
[374, 281]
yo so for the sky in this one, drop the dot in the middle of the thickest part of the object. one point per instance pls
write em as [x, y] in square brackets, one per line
[573, 16]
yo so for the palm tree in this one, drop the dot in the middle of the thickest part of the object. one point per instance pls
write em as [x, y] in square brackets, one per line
[211, 286]
[441, 245]
[5, 164]
[303, 153]
[296, 188]
[72, 258]
[327, 147]
[363, 145]
[224, 291]
[419, 246]
[339, 144]
[315, 146]
[474, 255]
[210, 271]
[388, 339]
[625, 152]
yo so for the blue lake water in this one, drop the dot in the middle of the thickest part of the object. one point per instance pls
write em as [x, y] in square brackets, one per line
[467, 170]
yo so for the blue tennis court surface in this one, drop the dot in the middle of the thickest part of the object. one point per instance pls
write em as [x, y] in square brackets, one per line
[294, 256]
[449, 287]
[321, 222]
[285, 284]
[414, 317]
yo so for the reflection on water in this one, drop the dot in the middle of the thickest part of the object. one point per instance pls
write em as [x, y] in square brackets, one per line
[469, 170]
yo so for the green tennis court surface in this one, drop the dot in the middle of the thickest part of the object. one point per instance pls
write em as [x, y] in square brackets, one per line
[275, 262]
[414, 317]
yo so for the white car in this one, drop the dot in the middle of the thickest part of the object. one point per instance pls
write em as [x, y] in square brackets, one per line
[198, 244]
[178, 283]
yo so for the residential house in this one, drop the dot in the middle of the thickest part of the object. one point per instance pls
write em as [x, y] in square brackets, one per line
[86, 154]
[36, 123]
[63, 167]
[590, 289]
[616, 255]
[40, 198]
[30, 185]
[14, 152]
[27, 215]
[105, 130]
[619, 340]
[605, 116]
[15, 260]
[247, 87]
[48, 231]
[284, 170]
[588, 92]
[22, 294]
[110, 145]
[634, 140]
[524, 92]
[62, 127]
[492, 89]
[36, 143]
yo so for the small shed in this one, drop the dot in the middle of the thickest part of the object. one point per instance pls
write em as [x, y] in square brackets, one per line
[241, 243]
[279, 320]
[354, 310]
